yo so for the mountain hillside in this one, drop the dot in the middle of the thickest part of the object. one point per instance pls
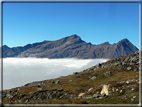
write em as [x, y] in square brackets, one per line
[84, 87]
[69, 47]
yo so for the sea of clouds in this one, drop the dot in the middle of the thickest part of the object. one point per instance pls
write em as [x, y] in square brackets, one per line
[20, 71]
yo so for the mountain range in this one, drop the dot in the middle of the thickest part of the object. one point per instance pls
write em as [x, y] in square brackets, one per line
[71, 47]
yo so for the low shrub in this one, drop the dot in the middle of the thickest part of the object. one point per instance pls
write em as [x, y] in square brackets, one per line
[82, 102]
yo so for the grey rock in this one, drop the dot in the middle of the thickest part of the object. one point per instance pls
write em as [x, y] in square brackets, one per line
[127, 59]
[70, 80]
[27, 100]
[97, 92]
[52, 82]
[61, 77]
[98, 65]
[129, 68]
[95, 95]
[33, 83]
[57, 82]
[117, 64]
[76, 73]
[107, 73]
[60, 89]
[132, 63]
[99, 97]
[92, 78]
[123, 63]
[87, 97]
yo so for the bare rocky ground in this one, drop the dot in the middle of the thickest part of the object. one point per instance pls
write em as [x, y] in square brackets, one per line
[84, 87]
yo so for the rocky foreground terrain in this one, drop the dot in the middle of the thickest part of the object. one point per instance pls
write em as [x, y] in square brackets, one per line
[84, 87]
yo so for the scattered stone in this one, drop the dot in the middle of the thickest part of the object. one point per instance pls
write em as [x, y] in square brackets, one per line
[117, 64]
[87, 97]
[33, 83]
[98, 65]
[61, 77]
[27, 100]
[99, 97]
[80, 95]
[57, 82]
[38, 85]
[132, 99]
[52, 82]
[39, 88]
[95, 95]
[22, 95]
[135, 70]
[107, 73]
[121, 91]
[90, 89]
[117, 89]
[127, 82]
[129, 68]
[70, 80]
[76, 73]
[60, 89]
[92, 78]
[132, 63]
[97, 92]
[123, 63]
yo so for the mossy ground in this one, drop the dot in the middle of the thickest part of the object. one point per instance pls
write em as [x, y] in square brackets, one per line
[81, 83]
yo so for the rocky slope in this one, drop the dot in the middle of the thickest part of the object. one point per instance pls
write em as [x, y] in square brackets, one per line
[71, 46]
[84, 87]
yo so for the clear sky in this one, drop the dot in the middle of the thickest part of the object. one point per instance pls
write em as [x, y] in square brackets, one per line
[25, 23]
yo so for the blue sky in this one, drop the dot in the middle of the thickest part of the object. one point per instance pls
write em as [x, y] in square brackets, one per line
[25, 23]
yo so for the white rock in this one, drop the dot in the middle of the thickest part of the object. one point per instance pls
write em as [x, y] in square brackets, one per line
[80, 95]
[105, 90]
[127, 82]
[90, 89]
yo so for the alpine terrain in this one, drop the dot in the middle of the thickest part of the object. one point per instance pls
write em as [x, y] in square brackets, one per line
[71, 47]
[113, 82]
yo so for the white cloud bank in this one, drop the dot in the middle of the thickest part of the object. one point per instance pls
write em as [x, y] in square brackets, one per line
[20, 71]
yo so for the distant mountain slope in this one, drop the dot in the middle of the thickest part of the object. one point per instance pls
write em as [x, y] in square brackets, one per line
[71, 46]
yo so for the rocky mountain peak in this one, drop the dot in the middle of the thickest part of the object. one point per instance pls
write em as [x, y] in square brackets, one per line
[70, 47]
[5, 48]
[105, 44]
[124, 41]
[73, 37]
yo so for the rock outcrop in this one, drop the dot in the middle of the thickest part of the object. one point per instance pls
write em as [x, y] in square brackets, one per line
[129, 62]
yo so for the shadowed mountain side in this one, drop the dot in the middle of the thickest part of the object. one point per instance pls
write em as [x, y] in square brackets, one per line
[71, 46]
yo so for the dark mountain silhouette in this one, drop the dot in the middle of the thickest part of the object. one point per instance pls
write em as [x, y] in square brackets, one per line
[69, 47]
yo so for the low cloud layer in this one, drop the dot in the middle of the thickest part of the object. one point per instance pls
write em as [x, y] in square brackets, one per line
[20, 71]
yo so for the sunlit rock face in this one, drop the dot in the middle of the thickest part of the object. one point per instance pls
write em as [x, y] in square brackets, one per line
[71, 47]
